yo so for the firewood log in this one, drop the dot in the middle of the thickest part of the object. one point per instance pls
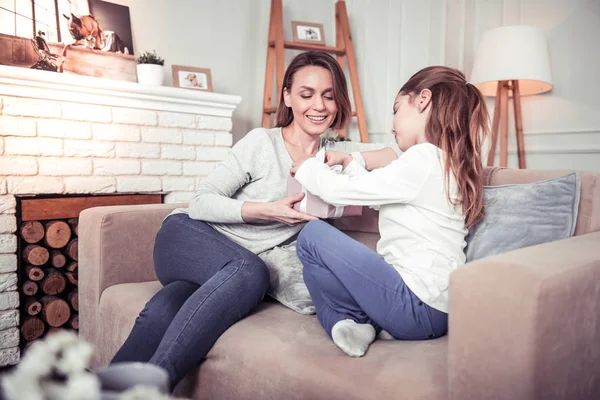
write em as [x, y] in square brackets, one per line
[74, 322]
[55, 311]
[57, 259]
[58, 234]
[34, 273]
[72, 249]
[33, 307]
[72, 277]
[32, 231]
[74, 224]
[54, 282]
[29, 288]
[74, 299]
[72, 267]
[35, 254]
[32, 328]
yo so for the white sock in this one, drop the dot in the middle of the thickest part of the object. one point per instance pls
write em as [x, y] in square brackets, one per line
[353, 338]
[385, 335]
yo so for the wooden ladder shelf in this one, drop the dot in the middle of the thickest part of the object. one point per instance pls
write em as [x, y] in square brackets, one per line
[275, 62]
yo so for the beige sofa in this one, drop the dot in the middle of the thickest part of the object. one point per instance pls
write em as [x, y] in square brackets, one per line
[523, 325]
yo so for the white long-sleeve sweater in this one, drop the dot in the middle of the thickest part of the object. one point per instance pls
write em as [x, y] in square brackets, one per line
[422, 232]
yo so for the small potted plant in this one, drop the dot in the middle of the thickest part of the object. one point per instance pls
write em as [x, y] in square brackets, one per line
[150, 69]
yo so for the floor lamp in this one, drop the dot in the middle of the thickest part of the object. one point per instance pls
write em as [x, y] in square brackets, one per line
[511, 61]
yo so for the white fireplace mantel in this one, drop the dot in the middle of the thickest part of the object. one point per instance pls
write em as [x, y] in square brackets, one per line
[76, 135]
[24, 82]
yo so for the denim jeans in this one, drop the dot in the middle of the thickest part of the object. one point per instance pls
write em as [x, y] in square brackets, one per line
[347, 280]
[209, 283]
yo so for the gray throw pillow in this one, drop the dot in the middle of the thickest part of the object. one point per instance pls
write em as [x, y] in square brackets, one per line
[523, 215]
[287, 282]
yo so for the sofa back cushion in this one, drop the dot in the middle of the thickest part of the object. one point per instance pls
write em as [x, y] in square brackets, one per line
[588, 215]
[523, 215]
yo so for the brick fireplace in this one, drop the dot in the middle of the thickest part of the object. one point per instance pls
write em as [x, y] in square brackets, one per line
[75, 135]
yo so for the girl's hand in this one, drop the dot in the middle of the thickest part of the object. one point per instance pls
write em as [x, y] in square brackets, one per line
[282, 210]
[337, 158]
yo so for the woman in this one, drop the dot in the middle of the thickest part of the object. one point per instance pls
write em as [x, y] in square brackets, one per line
[206, 256]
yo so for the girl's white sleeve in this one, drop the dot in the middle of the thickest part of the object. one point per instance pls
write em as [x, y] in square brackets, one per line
[399, 182]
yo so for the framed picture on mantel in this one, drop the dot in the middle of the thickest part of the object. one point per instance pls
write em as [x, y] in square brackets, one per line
[192, 78]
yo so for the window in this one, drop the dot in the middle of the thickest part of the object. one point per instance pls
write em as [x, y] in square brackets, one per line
[25, 17]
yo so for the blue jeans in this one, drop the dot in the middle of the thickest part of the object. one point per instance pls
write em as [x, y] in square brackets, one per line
[209, 283]
[347, 280]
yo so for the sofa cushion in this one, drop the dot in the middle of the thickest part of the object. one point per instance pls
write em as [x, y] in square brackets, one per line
[278, 354]
[523, 215]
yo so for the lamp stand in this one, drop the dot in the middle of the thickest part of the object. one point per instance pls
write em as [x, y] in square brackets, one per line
[501, 120]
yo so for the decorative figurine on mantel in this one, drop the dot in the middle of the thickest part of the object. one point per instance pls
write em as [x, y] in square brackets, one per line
[47, 60]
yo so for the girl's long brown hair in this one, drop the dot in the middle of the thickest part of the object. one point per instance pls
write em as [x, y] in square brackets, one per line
[457, 124]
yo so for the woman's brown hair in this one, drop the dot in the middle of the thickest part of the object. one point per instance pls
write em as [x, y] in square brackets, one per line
[284, 115]
[457, 124]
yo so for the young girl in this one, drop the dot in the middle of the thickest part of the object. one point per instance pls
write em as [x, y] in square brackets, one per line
[427, 198]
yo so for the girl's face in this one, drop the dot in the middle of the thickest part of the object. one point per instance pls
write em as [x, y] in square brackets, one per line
[311, 100]
[410, 118]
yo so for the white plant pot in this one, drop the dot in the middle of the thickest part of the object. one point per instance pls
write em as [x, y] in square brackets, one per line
[150, 74]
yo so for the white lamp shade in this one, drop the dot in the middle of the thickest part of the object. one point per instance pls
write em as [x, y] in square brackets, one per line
[512, 53]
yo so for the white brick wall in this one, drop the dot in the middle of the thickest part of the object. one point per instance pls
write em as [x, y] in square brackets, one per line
[64, 129]
[18, 165]
[161, 168]
[139, 184]
[65, 166]
[8, 263]
[14, 126]
[138, 150]
[134, 116]
[90, 185]
[8, 222]
[8, 243]
[177, 152]
[33, 146]
[53, 147]
[8, 204]
[86, 112]
[31, 107]
[121, 133]
[116, 167]
[88, 148]
[35, 185]
[199, 138]
[161, 135]
[177, 120]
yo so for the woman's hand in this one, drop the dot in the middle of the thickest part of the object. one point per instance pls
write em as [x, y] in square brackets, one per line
[283, 211]
[337, 158]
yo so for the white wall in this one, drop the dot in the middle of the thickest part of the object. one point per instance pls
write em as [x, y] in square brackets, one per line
[393, 39]
[561, 128]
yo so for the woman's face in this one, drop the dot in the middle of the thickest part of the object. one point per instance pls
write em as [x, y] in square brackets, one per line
[311, 100]
[410, 118]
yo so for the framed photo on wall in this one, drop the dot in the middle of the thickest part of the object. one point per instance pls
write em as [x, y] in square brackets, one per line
[192, 78]
[308, 32]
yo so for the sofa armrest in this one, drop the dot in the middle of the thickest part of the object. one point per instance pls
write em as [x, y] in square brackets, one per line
[115, 246]
[526, 324]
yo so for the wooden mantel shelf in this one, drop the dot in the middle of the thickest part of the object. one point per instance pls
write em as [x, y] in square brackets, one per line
[25, 82]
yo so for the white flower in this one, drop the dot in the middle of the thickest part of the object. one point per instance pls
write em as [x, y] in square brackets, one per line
[54, 369]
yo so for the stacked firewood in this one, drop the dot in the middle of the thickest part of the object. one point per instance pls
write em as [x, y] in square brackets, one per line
[48, 277]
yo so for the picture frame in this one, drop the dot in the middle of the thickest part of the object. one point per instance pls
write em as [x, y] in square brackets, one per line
[193, 78]
[308, 32]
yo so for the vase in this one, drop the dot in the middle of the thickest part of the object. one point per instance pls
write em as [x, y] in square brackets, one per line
[150, 74]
